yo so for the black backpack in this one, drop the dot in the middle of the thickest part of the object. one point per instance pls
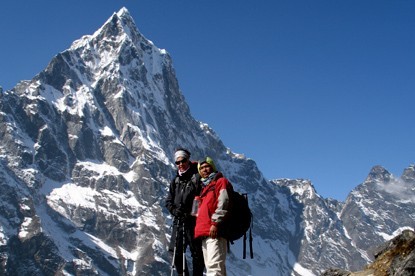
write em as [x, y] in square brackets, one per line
[238, 221]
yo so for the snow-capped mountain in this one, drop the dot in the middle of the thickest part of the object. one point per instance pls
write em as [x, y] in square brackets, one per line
[86, 157]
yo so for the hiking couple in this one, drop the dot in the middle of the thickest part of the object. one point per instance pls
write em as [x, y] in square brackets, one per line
[199, 232]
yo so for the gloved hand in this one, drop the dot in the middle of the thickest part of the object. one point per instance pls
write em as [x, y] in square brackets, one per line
[178, 213]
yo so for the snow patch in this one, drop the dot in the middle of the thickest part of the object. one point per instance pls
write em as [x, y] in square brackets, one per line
[302, 270]
[396, 233]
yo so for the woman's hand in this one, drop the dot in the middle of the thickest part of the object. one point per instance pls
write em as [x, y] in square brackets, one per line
[213, 233]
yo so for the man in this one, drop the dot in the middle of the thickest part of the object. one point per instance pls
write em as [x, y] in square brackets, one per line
[212, 213]
[183, 189]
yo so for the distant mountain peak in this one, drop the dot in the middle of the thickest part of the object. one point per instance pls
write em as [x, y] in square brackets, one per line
[408, 174]
[378, 173]
[303, 188]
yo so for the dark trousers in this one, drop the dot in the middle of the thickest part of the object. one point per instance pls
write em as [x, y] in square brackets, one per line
[195, 246]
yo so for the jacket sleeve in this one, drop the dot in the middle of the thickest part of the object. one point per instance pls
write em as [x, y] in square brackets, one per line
[222, 206]
[170, 198]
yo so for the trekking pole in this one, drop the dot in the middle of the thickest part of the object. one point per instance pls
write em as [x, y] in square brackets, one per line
[184, 250]
[174, 252]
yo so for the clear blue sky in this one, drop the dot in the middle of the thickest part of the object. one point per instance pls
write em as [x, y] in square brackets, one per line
[322, 90]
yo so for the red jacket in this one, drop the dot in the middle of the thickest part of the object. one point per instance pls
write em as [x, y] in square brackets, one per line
[214, 205]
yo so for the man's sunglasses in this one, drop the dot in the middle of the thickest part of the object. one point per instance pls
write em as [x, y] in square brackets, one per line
[181, 161]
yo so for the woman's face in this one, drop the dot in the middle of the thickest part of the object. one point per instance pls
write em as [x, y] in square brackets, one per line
[182, 164]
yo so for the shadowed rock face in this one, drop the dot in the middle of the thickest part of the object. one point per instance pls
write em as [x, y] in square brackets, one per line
[395, 257]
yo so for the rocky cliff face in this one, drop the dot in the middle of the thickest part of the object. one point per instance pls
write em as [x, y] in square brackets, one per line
[395, 257]
[346, 234]
[379, 206]
[86, 157]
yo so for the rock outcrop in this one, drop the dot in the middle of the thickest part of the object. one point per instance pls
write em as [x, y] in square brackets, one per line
[395, 258]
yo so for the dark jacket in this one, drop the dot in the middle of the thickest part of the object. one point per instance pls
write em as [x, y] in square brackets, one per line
[182, 191]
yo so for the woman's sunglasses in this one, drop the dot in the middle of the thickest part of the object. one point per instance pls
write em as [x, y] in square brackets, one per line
[181, 161]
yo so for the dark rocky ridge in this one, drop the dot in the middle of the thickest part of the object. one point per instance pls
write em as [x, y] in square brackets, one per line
[395, 258]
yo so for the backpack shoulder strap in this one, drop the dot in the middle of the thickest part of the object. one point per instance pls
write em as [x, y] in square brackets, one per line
[205, 192]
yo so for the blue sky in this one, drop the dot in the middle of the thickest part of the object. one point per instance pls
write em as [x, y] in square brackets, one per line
[322, 90]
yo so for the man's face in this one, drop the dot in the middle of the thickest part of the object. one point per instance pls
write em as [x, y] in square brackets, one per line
[182, 164]
[205, 170]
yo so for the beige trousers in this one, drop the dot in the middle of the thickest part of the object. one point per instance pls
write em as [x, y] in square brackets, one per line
[214, 254]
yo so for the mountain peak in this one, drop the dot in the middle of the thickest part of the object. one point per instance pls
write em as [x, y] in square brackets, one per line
[123, 12]
[378, 173]
[119, 24]
[119, 27]
[408, 174]
[300, 187]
